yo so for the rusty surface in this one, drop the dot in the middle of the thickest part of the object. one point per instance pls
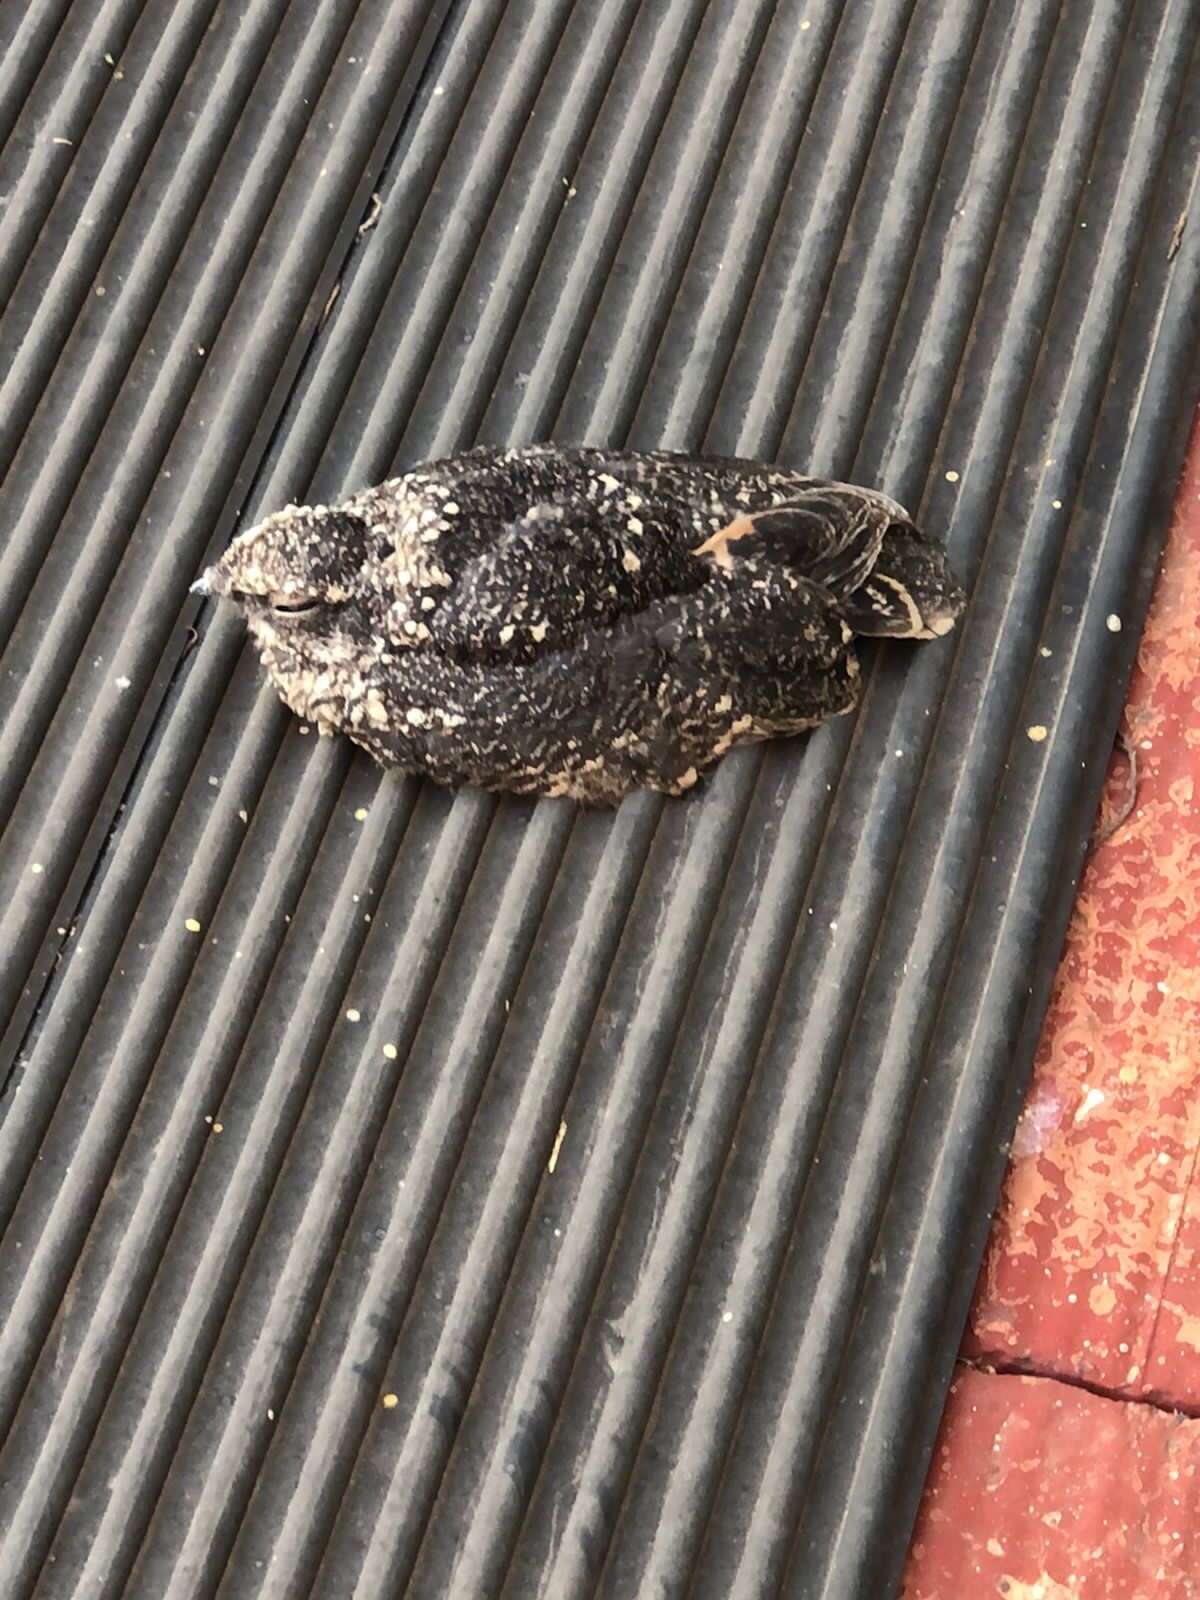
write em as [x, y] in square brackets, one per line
[1041, 1491]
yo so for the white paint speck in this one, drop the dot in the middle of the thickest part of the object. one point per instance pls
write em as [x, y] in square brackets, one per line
[353, 1015]
[1113, 622]
[1092, 1099]
[952, 476]
[124, 683]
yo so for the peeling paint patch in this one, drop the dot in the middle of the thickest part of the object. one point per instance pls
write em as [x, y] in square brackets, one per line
[1041, 1491]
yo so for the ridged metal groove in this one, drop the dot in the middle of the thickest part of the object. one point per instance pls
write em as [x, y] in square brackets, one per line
[291, 1303]
[152, 415]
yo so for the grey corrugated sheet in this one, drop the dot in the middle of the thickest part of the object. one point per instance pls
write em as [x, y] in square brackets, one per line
[292, 1303]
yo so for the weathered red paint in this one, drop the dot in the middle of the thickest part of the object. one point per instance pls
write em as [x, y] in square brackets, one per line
[1040, 1491]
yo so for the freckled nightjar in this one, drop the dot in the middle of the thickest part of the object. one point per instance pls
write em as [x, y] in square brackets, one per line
[580, 622]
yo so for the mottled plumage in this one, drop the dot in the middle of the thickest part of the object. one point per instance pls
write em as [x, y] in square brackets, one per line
[580, 622]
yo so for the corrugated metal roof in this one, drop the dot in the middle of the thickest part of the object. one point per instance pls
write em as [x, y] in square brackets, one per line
[292, 1300]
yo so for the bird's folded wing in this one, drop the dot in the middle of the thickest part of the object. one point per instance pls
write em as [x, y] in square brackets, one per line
[831, 533]
[562, 570]
[773, 619]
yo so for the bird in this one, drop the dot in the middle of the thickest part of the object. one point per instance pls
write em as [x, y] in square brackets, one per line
[576, 621]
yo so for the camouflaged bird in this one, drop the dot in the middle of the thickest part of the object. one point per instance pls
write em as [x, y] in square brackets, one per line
[580, 622]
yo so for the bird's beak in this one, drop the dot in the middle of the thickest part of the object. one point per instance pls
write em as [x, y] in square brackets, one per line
[206, 583]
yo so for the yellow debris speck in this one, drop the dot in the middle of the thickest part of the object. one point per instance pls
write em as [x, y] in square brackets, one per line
[361, 814]
[390, 1051]
[353, 1015]
[192, 925]
[1057, 504]
[36, 867]
[559, 1137]
[952, 476]
[1037, 733]
[390, 1402]
[218, 1127]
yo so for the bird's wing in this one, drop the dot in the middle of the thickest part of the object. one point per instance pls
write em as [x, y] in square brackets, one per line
[723, 510]
[827, 531]
[830, 533]
[733, 660]
[561, 569]
[776, 618]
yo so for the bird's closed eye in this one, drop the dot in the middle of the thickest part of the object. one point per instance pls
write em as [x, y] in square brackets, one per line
[294, 608]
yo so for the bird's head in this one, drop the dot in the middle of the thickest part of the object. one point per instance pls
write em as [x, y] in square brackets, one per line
[300, 563]
[299, 579]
